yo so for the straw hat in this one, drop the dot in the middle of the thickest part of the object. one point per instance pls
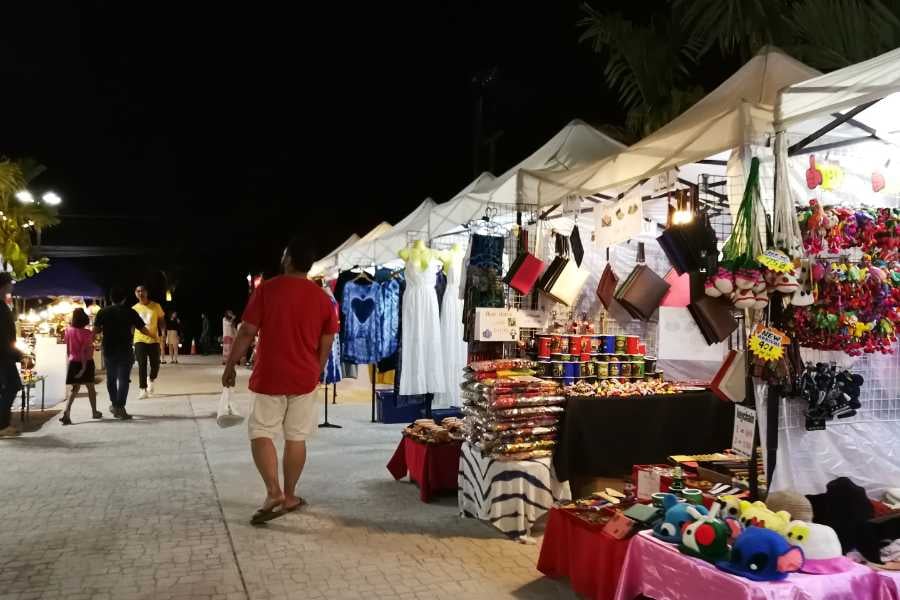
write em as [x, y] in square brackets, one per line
[796, 504]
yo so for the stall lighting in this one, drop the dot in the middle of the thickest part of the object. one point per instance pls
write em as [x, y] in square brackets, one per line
[51, 199]
[32, 317]
[682, 216]
[45, 314]
[22, 347]
[25, 197]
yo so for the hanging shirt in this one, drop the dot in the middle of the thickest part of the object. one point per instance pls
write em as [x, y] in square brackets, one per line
[362, 314]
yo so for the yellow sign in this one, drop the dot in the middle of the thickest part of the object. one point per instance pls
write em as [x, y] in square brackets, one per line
[775, 260]
[767, 343]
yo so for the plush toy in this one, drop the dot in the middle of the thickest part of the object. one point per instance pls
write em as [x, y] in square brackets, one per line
[711, 289]
[762, 555]
[707, 537]
[730, 507]
[761, 300]
[745, 279]
[724, 280]
[821, 547]
[676, 518]
[744, 298]
[757, 515]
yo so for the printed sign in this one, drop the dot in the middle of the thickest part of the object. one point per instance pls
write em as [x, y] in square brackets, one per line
[496, 325]
[744, 430]
[775, 260]
[619, 221]
[767, 343]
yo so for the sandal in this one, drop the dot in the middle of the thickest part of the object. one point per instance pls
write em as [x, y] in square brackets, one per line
[97, 415]
[65, 420]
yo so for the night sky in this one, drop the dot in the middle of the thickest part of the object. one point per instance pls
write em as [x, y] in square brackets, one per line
[210, 133]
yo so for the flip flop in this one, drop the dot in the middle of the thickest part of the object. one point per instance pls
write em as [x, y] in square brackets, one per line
[265, 515]
[300, 504]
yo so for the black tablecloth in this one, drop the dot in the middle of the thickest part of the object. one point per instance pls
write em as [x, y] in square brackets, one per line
[604, 437]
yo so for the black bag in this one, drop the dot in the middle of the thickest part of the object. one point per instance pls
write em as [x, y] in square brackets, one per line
[691, 246]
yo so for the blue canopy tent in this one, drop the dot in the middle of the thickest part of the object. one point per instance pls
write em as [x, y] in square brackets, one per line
[61, 278]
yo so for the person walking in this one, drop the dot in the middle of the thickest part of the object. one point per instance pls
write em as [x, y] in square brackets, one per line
[10, 382]
[173, 336]
[205, 335]
[228, 333]
[296, 323]
[117, 324]
[80, 370]
[146, 345]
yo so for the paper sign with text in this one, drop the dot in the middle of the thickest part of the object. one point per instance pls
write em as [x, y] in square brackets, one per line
[744, 430]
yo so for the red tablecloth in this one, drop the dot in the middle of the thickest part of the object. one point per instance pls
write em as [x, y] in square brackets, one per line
[435, 467]
[579, 550]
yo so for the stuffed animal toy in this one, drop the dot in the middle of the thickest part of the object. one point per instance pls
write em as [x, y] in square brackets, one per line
[707, 537]
[677, 517]
[821, 548]
[762, 555]
[731, 507]
[757, 515]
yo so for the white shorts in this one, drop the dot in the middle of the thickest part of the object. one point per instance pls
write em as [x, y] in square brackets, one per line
[297, 417]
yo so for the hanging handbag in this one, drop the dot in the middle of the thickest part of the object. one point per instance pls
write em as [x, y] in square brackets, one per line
[525, 270]
[714, 318]
[606, 289]
[563, 280]
[643, 291]
[576, 245]
[730, 381]
[691, 246]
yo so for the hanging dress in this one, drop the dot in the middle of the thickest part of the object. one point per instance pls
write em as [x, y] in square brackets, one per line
[332, 372]
[452, 345]
[420, 344]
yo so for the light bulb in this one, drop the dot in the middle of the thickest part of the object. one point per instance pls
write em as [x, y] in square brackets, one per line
[25, 197]
[51, 199]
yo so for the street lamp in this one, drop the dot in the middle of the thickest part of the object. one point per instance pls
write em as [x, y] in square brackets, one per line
[51, 199]
[25, 197]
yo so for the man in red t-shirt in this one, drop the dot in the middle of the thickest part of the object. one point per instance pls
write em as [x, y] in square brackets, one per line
[296, 323]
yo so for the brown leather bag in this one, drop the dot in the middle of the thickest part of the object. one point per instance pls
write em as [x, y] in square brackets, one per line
[643, 291]
[714, 318]
[606, 290]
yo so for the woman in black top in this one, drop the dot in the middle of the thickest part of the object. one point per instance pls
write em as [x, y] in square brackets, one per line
[10, 382]
[173, 335]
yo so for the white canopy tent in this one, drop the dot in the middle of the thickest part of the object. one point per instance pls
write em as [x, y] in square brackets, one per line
[574, 145]
[383, 248]
[349, 253]
[328, 262]
[853, 115]
[737, 113]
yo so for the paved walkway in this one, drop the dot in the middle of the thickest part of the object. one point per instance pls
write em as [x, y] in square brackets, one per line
[158, 508]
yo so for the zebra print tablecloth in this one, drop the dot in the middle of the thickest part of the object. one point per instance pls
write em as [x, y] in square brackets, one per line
[510, 495]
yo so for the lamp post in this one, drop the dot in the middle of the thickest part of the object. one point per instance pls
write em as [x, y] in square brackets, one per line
[48, 198]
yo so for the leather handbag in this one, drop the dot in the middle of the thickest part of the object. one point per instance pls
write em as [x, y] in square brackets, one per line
[691, 246]
[524, 273]
[606, 289]
[730, 382]
[576, 245]
[569, 284]
[714, 318]
[643, 291]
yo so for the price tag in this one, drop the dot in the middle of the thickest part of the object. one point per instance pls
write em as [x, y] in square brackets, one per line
[767, 343]
[775, 260]
[744, 430]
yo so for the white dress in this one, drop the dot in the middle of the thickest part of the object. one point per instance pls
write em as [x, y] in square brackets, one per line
[453, 347]
[421, 356]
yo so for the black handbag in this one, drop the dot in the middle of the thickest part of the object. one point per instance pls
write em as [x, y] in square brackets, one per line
[691, 246]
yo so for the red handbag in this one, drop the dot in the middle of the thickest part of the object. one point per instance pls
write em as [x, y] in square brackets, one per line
[525, 270]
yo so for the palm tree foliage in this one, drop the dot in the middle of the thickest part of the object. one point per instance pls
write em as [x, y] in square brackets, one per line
[18, 220]
[653, 66]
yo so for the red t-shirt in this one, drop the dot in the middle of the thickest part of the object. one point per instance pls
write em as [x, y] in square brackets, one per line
[292, 314]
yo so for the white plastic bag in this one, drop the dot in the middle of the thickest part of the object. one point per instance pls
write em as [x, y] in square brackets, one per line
[228, 415]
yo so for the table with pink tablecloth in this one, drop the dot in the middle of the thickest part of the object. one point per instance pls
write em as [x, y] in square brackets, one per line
[658, 570]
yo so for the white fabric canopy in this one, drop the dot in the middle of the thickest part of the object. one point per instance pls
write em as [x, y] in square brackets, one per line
[462, 208]
[845, 88]
[736, 113]
[350, 255]
[329, 261]
[383, 248]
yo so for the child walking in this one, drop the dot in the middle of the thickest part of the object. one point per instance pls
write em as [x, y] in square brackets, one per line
[80, 346]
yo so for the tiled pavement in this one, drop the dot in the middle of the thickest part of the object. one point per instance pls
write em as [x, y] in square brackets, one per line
[158, 508]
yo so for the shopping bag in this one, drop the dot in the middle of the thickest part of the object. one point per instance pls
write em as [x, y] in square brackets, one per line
[228, 415]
